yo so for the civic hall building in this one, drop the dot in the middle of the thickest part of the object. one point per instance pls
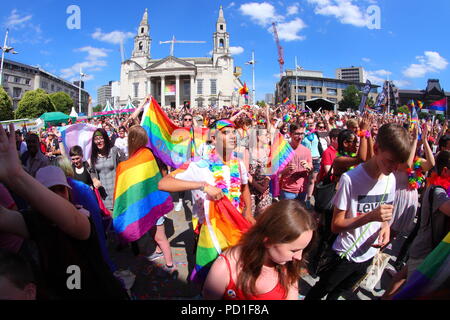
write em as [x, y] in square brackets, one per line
[173, 81]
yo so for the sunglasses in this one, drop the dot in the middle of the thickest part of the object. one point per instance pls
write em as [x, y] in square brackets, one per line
[320, 127]
[187, 119]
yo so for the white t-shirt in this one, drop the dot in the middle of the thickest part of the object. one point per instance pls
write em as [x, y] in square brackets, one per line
[358, 194]
[199, 171]
[122, 144]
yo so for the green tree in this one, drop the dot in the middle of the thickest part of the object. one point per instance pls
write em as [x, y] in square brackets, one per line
[351, 98]
[261, 103]
[403, 109]
[62, 102]
[33, 104]
[97, 108]
[6, 109]
[370, 102]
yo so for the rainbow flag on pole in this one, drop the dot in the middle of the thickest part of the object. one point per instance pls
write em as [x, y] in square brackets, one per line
[281, 153]
[138, 203]
[430, 275]
[172, 144]
[223, 228]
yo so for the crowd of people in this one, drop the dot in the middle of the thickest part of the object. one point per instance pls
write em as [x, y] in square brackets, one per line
[355, 184]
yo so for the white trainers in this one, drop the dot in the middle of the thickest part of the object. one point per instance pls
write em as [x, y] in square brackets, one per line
[178, 206]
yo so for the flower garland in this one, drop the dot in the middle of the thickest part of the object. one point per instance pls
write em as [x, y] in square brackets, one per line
[415, 175]
[346, 154]
[216, 167]
[436, 180]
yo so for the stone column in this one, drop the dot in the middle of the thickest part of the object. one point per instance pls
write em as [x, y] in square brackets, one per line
[177, 91]
[163, 85]
[149, 84]
[192, 95]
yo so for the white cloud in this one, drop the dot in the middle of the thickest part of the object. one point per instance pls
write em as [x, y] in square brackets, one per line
[236, 50]
[262, 14]
[231, 5]
[429, 63]
[114, 37]
[366, 59]
[288, 31]
[292, 10]
[378, 76]
[402, 83]
[94, 62]
[15, 21]
[343, 10]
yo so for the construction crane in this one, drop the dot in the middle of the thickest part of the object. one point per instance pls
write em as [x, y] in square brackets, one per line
[173, 41]
[280, 49]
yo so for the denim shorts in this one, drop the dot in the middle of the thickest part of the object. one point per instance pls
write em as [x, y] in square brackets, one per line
[316, 165]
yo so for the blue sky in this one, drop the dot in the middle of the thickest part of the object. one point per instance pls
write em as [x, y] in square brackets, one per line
[409, 47]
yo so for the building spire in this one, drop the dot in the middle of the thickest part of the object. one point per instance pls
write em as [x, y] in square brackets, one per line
[144, 21]
[221, 18]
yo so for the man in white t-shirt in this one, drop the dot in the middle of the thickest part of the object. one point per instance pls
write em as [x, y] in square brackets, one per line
[122, 141]
[362, 211]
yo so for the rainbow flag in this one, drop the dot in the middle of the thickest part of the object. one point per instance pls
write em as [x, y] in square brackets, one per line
[138, 203]
[243, 90]
[281, 153]
[222, 228]
[420, 104]
[172, 144]
[440, 105]
[414, 115]
[430, 275]
[286, 100]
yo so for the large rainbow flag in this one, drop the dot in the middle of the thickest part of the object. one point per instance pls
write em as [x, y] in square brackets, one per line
[281, 153]
[172, 144]
[223, 228]
[138, 203]
[430, 275]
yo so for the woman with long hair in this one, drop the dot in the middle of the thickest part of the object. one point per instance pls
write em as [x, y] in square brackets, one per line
[266, 264]
[104, 160]
[137, 139]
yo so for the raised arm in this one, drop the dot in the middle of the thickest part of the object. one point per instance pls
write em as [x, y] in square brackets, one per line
[49, 204]
[429, 161]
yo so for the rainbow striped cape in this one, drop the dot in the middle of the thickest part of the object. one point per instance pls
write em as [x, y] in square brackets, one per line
[223, 228]
[138, 203]
[281, 153]
[172, 144]
[430, 275]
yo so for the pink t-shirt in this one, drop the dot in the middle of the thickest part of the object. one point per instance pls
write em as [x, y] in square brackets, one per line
[296, 181]
[8, 241]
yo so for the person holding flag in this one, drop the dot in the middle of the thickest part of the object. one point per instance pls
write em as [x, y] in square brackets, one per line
[222, 175]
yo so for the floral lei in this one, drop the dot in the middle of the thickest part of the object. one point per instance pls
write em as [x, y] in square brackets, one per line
[216, 167]
[346, 154]
[415, 175]
[436, 180]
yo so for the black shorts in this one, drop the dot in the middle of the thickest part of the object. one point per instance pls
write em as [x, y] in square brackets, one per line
[316, 165]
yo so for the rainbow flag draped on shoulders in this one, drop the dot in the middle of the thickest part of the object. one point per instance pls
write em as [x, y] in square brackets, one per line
[223, 227]
[430, 275]
[138, 203]
[172, 144]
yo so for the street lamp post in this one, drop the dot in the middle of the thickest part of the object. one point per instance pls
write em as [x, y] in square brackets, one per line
[79, 91]
[5, 49]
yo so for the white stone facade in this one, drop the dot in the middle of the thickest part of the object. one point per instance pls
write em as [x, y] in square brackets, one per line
[199, 81]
